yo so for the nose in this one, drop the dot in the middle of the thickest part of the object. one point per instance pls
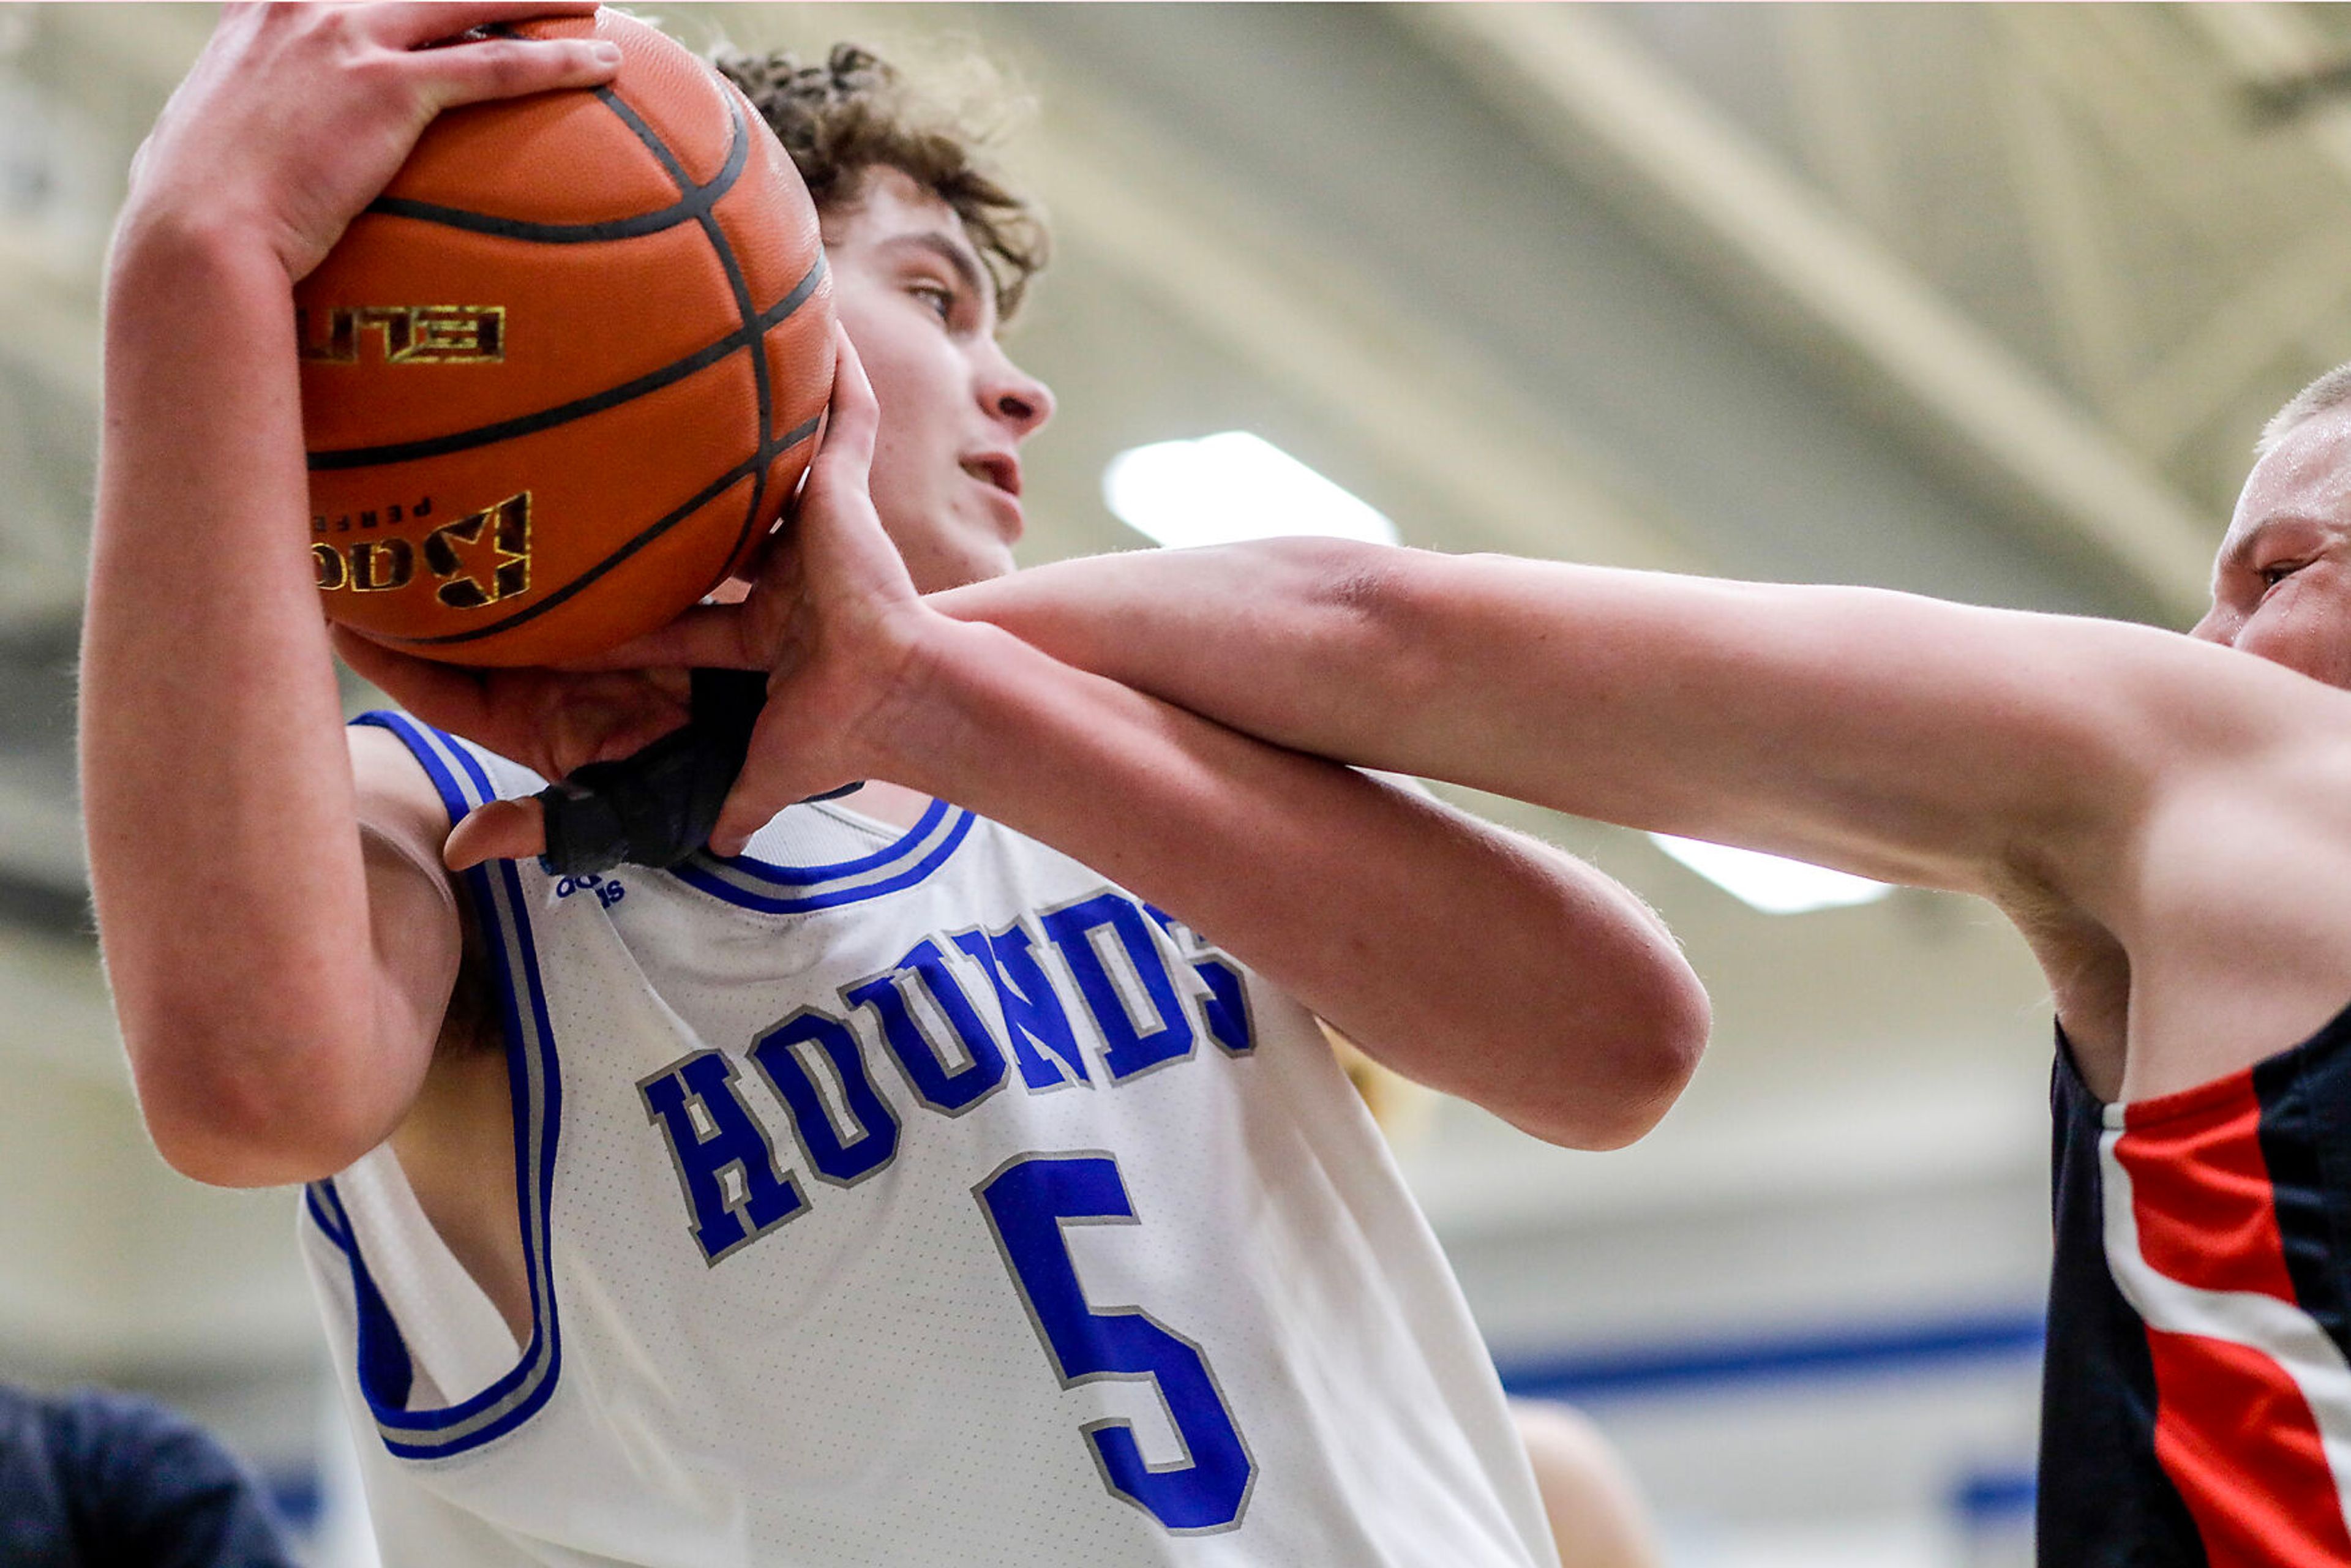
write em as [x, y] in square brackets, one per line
[1013, 396]
[2218, 625]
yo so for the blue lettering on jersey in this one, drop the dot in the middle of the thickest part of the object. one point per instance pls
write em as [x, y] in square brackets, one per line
[842, 1161]
[1121, 959]
[1132, 1049]
[728, 1214]
[952, 1090]
[608, 889]
[1226, 1009]
[1028, 1202]
[1032, 1013]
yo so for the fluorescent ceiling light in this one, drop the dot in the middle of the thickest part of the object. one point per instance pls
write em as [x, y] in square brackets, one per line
[1769, 883]
[1222, 490]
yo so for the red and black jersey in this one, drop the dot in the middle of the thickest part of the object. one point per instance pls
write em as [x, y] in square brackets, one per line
[2195, 1397]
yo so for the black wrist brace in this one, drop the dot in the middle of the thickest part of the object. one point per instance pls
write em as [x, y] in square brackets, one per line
[657, 807]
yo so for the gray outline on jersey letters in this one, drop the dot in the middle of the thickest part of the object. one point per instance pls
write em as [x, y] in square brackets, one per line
[830, 1081]
[892, 977]
[1207, 952]
[1040, 945]
[1054, 1357]
[677, 1165]
[1185, 1004]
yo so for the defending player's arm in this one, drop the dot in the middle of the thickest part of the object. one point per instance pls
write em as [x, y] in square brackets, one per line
[1795, 716]
[1466, 956]
[279, 976]
[2172, 813]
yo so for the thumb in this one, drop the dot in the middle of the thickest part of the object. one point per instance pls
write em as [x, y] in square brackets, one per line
[773, 777]
[501, 830]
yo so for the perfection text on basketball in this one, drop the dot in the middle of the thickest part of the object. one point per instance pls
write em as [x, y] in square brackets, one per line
[476, 559]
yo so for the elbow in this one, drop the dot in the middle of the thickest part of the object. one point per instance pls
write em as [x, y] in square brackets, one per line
[244, 1128]
[1355, 617]
[1331, 586]
[1617, 1077]
[205, 1150]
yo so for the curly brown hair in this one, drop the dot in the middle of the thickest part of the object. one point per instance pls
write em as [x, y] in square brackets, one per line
[853, 113]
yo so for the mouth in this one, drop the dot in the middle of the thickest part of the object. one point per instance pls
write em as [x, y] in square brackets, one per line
[997, 469]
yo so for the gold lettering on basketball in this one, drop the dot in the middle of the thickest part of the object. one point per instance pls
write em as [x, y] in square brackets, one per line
[327, 562]
[379, 566]
[410, 334]
[458, 334]
[341, 345]
[482, 557]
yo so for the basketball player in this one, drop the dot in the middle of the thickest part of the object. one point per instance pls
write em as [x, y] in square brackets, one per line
[2165, 820]
[898, 1191]
[1597, 1515]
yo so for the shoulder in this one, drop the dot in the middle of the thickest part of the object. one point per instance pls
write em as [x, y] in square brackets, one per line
[395, 794]
[2226, 892]
[402, 823]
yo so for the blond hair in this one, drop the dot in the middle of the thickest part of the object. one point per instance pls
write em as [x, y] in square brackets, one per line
[2327, 391]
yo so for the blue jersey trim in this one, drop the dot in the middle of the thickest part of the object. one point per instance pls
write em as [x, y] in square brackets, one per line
[771, 889]
[534, 1077]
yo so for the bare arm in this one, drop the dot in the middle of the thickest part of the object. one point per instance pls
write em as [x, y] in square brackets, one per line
[1598, 1517]
[277, 1014]
[2108, 785]
[1467, 957]
[1790, 718]
[1464, 956]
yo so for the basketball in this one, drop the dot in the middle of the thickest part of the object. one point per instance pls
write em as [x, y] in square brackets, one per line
[559, 380]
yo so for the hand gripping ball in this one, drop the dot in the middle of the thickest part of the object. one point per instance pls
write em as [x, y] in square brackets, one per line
[559, 380]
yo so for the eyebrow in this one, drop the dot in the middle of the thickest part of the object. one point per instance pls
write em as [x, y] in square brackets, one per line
[957, 257]
[2240, 552]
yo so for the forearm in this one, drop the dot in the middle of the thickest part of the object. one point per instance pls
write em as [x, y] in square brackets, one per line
[1462, 955]
[218, 794]
[1798, 719]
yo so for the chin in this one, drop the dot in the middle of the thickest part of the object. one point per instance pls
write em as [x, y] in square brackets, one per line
[983, 555]
[948, 566]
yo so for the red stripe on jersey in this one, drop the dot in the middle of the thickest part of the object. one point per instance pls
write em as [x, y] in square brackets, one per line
[2237, 1438]
[2201, 1191]
[2232, 1430]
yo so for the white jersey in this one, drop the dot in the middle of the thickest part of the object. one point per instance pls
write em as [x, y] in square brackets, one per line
[909, 1198]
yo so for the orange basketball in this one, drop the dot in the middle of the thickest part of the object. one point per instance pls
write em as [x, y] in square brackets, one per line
[560, 378]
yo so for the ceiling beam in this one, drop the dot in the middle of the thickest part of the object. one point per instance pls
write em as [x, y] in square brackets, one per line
[2064, 239]
[2266, 42]
[2278, 310]
[1296, 312]
[1839, 124]
[1616, 117]
[1310, 322]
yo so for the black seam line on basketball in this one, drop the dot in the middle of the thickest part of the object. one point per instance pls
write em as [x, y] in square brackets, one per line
[703, 497]
[693, 204]
[339, 458]
[763, 393]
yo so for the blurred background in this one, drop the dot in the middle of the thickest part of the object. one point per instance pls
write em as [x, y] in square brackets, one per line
[1980, 301]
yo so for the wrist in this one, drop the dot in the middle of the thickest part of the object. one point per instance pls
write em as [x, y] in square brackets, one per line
[953, 696]
[175, 247]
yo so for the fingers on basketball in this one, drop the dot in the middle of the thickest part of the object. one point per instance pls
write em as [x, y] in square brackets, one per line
[560, 378]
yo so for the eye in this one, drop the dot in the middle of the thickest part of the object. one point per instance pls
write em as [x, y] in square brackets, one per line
[2278, 571]
[936, 298]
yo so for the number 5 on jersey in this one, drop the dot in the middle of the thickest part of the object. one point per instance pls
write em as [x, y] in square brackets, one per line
[1027, 1203]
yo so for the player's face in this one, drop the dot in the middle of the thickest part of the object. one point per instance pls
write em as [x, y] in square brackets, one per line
[917, 303]
[2282, 586]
